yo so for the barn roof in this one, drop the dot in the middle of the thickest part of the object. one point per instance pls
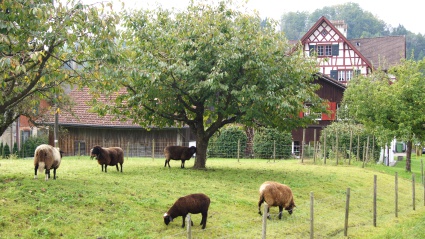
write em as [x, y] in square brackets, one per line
[382, 51]
[81, 115]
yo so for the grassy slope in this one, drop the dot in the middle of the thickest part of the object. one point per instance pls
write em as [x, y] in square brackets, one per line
[86, 203]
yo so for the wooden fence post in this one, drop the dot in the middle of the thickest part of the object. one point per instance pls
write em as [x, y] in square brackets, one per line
[413, 191]
[358, 147]
[189, 226]
[396, 194]
[239, 148]
[336, 146]
[351, 147]
[374, 199]
[314, 146]
[265, 221]
[347, 206]
[324, 147]
[153, 149]
[311, 215]
[302, 147]
[274, 151]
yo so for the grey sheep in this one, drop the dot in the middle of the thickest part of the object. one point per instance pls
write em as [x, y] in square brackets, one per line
[192, 203]
[108, 156]
[276, 194]
[178, 153]
[47, 157]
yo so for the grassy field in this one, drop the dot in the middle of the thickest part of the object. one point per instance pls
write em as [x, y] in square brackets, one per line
[87, 203]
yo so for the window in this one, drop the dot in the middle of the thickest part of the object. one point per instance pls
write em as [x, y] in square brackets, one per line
[345, 75]
[327, 50]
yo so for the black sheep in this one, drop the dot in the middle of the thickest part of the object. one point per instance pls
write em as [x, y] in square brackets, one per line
[108, 156]
[192, 203]
[178, 153]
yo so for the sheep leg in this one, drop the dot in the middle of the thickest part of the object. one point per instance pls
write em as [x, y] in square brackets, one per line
[259, 204]
[280, 212]
[35, 171]
[184, 220]
[167, 161]
[117, 168]
[121, 167]
[182, 165]
[47, 174]
[54, 173]
[204, 220]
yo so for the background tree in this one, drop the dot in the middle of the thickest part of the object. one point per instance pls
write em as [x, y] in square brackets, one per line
[392, 106]
[206, 67]
[40, 46]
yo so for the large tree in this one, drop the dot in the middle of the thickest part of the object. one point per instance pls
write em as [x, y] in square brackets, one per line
[394, 106]
[206, 67]
[41, 44]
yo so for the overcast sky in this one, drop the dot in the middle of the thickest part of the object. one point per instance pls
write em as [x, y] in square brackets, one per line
[408, 13]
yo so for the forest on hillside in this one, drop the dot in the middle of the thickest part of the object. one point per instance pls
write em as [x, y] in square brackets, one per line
[361, 24]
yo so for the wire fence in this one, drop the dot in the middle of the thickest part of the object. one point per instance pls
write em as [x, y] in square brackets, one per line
[271, 151]
[311, 217]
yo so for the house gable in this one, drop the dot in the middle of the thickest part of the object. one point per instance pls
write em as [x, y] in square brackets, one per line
[338, 58]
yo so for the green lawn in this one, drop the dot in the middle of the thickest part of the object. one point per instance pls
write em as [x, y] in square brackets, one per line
[87, 203]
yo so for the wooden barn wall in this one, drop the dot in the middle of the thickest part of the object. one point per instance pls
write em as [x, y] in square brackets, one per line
[134, 141]
[329, 91]
[297, 135]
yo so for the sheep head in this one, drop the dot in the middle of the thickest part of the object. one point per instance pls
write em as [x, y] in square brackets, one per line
[167, 219]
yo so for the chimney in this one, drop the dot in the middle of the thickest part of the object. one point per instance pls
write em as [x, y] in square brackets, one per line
[341, 26]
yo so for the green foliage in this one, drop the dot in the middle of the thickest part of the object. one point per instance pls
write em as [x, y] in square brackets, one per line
[28, 147]
[15, 148]
[347, 132]
[208, 66]
[227, 143]
[6, 151]
[44, 46]
[272, 142]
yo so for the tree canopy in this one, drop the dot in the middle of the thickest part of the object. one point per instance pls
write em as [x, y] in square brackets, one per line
[206, 67]
[41, 44]
[391, 106]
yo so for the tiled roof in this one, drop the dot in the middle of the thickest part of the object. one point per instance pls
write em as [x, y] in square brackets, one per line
[82, 116]
[382, 51]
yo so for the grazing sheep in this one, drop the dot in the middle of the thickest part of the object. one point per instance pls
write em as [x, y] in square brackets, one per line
[276, 194]
[178, 153]
[192, 203]
[108, 156]
[46, 157]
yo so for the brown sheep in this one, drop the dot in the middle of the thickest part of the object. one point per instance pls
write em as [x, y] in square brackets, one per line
[192, 203]
[178, 153]
[276, 194]
[108, 156]
[47, 157]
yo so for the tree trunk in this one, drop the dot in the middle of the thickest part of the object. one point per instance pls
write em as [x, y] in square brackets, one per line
[408, 155]
[201, 153]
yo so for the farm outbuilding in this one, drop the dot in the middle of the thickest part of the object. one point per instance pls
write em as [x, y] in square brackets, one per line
[82, 129]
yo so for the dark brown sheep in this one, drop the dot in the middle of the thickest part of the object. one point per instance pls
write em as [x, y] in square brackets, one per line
[47, 157]
[192, 203]
[178, 153]
[276, 194]
[108, 156]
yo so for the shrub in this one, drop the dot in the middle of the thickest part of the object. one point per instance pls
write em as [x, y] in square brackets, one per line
[225, 145]
[6, 151]
[28, 147]
[268, 141]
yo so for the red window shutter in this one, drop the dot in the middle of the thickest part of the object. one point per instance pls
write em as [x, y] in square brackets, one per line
[332, 109]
